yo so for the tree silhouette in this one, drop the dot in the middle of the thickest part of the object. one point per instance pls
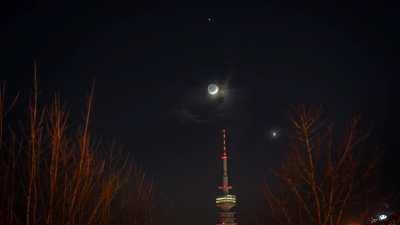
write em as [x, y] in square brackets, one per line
[328, 177]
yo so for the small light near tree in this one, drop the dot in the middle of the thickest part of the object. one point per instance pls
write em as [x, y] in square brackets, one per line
[382, 217]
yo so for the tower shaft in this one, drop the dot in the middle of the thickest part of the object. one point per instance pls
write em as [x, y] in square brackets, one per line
[226, 201]
[224, 157]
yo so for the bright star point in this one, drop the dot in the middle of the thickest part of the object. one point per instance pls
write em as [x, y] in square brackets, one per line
[213, 89]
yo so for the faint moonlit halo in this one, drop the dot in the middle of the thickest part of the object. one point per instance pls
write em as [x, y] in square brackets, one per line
[213, 89]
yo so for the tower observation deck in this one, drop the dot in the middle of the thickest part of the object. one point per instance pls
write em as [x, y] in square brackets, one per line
[226, 201]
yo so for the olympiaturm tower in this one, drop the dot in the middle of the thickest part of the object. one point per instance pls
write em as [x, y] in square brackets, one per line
[226, 201]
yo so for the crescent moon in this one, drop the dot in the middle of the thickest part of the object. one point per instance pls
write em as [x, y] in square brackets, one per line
[213, 89]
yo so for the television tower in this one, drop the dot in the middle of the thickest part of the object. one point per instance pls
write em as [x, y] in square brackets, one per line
[226, 201]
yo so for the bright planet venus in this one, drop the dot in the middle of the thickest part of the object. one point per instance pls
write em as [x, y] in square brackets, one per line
[274, 133]
[213, 89]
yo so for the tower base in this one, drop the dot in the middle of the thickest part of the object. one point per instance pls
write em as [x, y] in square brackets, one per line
[226, 218]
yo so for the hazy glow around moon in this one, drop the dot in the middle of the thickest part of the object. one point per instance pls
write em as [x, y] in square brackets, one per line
[212, 89]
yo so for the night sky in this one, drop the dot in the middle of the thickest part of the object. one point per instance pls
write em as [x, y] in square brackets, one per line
[152, 63]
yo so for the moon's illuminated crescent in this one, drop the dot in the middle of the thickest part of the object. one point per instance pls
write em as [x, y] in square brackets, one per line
[213, 89]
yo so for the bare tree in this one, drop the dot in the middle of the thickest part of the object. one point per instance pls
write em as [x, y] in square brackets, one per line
[327, 177]
[52, 175]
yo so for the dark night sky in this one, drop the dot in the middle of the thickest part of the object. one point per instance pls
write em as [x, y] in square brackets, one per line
[152, 64]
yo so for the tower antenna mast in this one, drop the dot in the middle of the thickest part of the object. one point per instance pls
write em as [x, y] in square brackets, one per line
[224, 157]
